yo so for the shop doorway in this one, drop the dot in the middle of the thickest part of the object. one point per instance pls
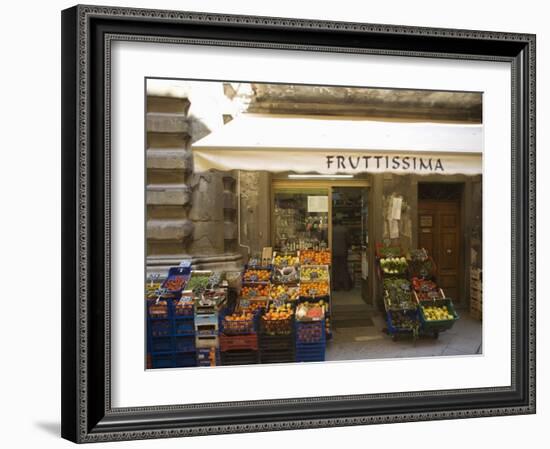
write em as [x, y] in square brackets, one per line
[349, 244]
[329, 214]
[440, 232]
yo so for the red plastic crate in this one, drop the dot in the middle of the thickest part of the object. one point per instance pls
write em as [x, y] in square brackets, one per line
[234, 342]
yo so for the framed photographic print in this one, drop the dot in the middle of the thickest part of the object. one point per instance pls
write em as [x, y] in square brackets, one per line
[286, 223]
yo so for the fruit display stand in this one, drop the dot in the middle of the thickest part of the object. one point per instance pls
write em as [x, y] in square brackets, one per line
[276, 335]
[310, 332]
[238, 336]
[437, 316]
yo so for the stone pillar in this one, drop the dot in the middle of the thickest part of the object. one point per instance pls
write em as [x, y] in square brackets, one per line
[186, 215]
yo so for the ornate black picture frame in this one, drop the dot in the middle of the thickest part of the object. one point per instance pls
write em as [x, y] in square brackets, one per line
[87, 414]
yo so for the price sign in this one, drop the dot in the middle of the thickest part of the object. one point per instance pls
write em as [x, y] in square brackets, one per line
[244, 303]
[279, 302]
[314, 275]
[253, 277]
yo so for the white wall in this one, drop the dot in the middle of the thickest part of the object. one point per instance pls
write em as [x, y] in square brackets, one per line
[29, 103]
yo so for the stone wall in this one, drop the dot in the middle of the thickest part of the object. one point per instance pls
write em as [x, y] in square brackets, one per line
[189, 215]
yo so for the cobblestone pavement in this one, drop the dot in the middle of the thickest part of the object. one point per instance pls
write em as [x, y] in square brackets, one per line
[359, 343]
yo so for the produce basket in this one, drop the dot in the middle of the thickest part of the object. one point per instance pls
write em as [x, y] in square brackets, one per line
[257, 275]
[238, 323]
[284, 292]
[307, 311]
[393, 266]
[422, 268]
[183, 308]
[312, 257]
[402, 322]
[175, 282]
[314, 273]
[314, 289]
[285, 268]
[398, 294]
[277, 321]
[158, 309]
[433, 324]
[286, 274]
[256, 292]
[199, 280]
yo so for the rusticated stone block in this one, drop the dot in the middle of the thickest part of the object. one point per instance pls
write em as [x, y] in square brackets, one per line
[170, 159]
[178, 195]
[158, 229]
[161, 122]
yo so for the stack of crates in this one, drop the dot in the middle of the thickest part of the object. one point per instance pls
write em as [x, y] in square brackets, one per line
[310, 341]
[184, 333]
[170, 334]
[276, 341]
[238, 340]
[207, 340]
[170, 329]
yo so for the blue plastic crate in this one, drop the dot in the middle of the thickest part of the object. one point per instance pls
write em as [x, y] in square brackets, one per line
[184, 327]
[162, 360]
[185, 344]
[313, 355]
[310, 352]
[160, 328]
[162, 344]
[316, 329]
[394, 329]
[186, 359]
[172, 273]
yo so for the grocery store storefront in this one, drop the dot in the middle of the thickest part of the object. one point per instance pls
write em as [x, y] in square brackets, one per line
[343, 186]
[346, 232]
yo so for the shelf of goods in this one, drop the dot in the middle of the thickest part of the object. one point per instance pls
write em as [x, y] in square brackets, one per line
[310, 332]
[476, 294]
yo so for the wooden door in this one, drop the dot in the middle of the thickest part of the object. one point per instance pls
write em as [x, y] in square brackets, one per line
[439, 231]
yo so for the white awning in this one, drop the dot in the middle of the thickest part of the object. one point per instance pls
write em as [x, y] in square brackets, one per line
[333, 146]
